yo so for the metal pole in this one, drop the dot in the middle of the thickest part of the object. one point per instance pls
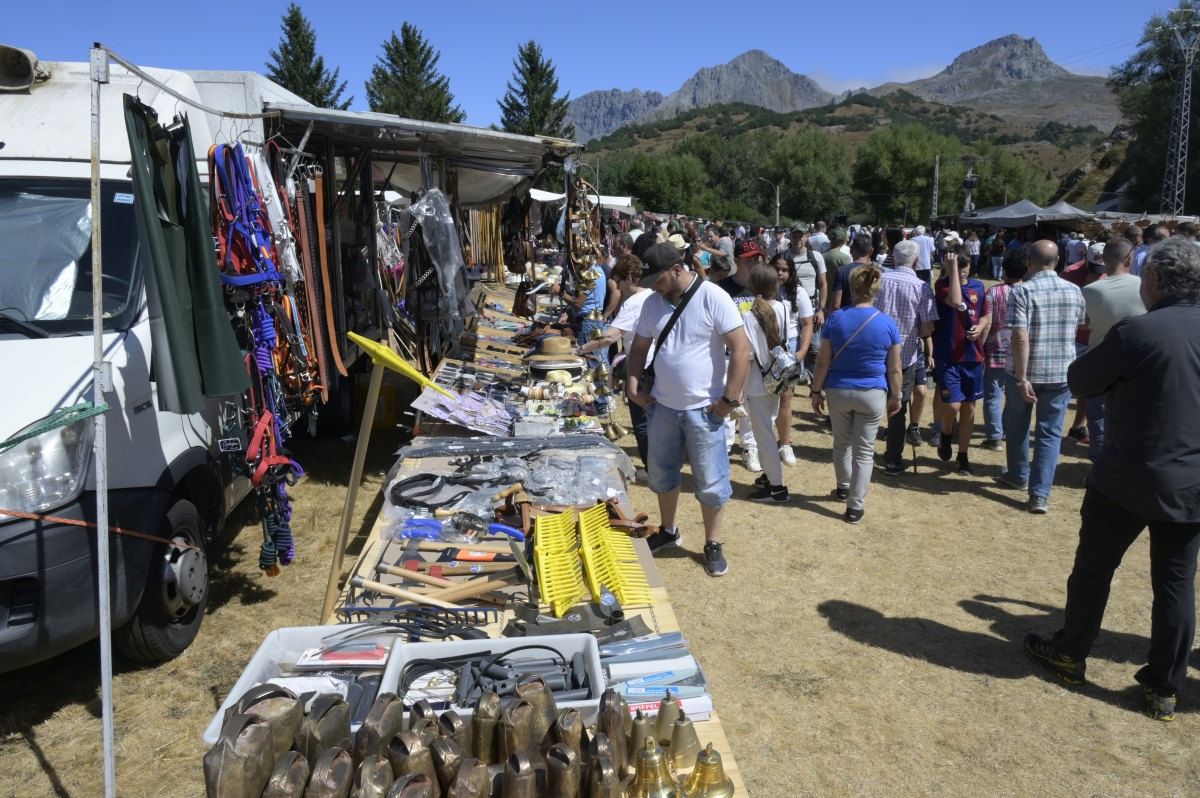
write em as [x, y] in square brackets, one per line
[777, 206]
[937, 168]
[356, 469]
[1174, 188]
[100, 385]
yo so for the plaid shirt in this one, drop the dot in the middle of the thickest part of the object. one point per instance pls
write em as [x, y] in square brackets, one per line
[1052, 310]
[909, 301]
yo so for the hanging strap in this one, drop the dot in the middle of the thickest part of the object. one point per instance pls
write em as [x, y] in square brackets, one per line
[670, 325]
[853, 335]
[330, 325]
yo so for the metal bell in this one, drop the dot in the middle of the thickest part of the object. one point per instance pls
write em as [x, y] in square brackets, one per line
[684, 743]
[447, 756]
[650, 778]
[603, 781]
[601, 371]
[596, 334]
[708, 779]
[410, 756]
[515, 730]
[643, 727]
[620, 431]
[668, 711]
[455, 726]
[520, 778]
[594, 315]
[562, 772]
[483, 727]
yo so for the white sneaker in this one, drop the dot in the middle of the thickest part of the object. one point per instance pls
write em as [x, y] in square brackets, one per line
[750, 458]
[787, 456]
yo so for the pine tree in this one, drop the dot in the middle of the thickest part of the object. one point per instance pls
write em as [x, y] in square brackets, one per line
[530, 105]
[297, 67]
[405, 81]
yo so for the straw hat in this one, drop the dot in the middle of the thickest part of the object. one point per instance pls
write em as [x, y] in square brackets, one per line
[553, 347]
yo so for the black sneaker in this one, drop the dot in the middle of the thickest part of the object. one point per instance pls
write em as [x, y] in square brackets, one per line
[1158, 706]
[914, 435]
[771, 493]
[1043, 653]
[854, 517]
[841, 494]
[714, 560]
[1079, 433]
[761, 481]
[964, 465]
[992, 444]
[663, 539]
[945, 447]
[894, 468]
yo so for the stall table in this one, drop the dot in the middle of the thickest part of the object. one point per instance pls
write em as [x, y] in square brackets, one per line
[658, 614]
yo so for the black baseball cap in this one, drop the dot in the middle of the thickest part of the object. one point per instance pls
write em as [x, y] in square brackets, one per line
[656, 260]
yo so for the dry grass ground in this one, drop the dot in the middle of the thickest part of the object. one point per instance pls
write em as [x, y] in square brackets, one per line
[879, 660]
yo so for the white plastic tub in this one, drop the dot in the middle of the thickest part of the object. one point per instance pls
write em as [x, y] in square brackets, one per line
[567, 645]
[278, 654]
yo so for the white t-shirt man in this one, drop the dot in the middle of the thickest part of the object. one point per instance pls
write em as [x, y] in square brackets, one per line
[925, 246]
[689, 371]
[819, 242]
[806, 272]
[1113, 299]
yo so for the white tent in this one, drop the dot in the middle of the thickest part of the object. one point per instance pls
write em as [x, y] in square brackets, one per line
[621, 204]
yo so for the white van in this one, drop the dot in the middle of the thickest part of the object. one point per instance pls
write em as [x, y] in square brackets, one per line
[165, 475]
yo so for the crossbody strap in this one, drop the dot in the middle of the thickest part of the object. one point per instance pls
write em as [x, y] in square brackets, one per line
[666, 330]
[846, 343]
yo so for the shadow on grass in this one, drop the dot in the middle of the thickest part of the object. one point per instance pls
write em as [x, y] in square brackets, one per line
[998, 655]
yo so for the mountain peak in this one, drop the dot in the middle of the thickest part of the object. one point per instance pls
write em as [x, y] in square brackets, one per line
[1007, 59]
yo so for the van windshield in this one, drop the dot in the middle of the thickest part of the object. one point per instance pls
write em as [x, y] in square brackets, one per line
[46, 255]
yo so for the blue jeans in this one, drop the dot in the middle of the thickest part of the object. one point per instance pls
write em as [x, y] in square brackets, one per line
[1095, 426]
[1051, 407]
[995, 386]
[585, 333]
[695, 435]
[637, 417]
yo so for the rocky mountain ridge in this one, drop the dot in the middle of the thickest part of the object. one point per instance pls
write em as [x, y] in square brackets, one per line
[1011, 77]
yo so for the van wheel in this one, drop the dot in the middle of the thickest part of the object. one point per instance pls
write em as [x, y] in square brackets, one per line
[172, 607]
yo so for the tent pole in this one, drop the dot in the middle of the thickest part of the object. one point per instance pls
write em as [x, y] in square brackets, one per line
[356, 470]
[100, 386]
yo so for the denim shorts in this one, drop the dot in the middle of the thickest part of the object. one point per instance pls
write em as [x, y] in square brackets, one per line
[695, 436]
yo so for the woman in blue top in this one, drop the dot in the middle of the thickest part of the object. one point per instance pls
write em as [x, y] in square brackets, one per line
[858, 369]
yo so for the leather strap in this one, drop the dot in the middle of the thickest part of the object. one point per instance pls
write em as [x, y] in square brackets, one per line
[315, 316]
[330, 324]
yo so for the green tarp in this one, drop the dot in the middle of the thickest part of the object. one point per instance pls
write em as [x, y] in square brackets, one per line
[195, 353]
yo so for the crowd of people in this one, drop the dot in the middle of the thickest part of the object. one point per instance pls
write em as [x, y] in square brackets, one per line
[700, 314]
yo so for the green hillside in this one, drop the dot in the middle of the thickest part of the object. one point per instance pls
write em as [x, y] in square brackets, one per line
[866, 156]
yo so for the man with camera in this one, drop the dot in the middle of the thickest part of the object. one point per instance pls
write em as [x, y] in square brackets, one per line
[687, 391]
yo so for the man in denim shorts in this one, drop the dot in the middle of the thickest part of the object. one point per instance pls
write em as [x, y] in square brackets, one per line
[691, 394]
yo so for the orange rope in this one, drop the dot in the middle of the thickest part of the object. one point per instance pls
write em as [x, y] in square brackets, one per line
[57, 519]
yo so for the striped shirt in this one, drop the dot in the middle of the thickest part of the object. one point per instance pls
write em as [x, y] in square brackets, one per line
[1052, 310]
[996, 348]
[909, 301]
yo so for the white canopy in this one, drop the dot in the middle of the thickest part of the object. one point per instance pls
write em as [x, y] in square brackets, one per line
[623, 204]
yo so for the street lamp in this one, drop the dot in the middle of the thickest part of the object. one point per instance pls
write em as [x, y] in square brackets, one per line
[772, 185]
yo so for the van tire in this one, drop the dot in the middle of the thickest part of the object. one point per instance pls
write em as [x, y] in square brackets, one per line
[157, 632]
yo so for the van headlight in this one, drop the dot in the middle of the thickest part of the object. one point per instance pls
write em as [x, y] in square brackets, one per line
[46, 471]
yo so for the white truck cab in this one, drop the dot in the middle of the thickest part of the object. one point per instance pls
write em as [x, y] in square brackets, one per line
[165, 474]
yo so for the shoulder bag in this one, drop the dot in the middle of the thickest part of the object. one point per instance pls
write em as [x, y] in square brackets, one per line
[854, 334]
[648, 373]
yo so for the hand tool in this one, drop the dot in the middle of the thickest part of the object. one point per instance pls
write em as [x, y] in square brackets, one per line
[399, 592]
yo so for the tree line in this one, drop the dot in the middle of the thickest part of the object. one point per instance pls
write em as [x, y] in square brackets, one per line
[405, 80]
[889, 177]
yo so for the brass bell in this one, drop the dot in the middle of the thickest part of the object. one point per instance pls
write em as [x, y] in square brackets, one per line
[619, 430]
[515, 730]
[603, 390]
[471, 781]
[410, 756]
[610, 432]
[426, 729]
[668, 711]
[684, 743]
[594, 315]
[603, 781]
[562, 772]
[455, 726]
[534, 690]
[520, 777]
[596, 334]
[601, 371]
[650, 778]
[708, 779]
[483, 727]
[421, 709]
[643, 727]
[447, 756]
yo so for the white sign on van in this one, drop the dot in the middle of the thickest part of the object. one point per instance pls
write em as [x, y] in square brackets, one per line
[123, 198]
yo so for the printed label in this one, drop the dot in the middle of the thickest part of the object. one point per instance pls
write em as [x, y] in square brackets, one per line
[230, 444]
[123, 198]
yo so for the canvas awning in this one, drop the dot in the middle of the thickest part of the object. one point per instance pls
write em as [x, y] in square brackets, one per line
[622, 204]
[489, 163]
[1020, 214]
[1063, 211]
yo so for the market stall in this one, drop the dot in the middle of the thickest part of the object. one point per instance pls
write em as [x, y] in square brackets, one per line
[505, 630]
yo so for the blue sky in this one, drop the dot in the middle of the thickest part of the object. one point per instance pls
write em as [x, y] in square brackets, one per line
[597, 45]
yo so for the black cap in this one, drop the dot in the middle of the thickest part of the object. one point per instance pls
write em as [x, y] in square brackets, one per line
[656, 260]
